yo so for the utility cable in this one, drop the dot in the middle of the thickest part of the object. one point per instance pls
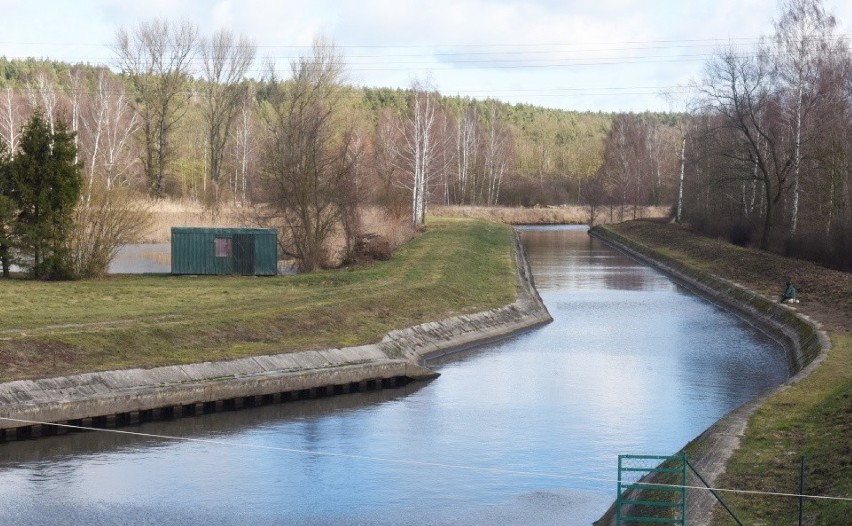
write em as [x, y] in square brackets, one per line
[500, 471]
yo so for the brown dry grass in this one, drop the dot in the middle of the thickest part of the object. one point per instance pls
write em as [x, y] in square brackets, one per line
[825, 294]
[168, 213]
[551, 215]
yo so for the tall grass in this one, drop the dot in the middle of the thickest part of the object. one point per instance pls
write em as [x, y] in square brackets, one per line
[168, 213]
[550, 215]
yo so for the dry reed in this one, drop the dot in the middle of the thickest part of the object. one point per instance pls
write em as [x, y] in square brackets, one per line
[551, 215]
[168, 213]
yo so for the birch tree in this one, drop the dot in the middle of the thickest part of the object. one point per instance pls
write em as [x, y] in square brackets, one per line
[417, 156]
[41, 91]
[109, 121]
[495, 157]
[244, 145]
[11, 117]
[467, 148]
[803, 36]
[75, 88]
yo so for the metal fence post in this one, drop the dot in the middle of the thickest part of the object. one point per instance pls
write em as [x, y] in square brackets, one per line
[801, 489]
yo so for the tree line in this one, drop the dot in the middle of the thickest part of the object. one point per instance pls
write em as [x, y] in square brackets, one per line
[182, 133]
[760, 154]
[768, 142]
[306, 149]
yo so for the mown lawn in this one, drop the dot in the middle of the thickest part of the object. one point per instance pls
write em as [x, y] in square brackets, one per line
[812, 418]
[52, 329]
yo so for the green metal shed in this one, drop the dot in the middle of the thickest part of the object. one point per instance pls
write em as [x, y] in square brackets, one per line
[243, 251]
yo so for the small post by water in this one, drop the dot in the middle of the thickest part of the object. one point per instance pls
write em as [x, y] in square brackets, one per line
[801, 489]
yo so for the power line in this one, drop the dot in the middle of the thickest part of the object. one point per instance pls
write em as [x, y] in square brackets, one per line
[493, 63]
[685, 41]
[330, 454]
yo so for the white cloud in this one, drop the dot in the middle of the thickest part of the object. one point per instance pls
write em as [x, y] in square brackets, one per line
[605, 50]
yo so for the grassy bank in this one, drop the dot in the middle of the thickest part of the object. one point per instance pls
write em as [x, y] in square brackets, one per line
[52, 329]
[812, 418]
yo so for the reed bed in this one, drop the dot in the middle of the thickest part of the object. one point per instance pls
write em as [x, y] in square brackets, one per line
[550, 215]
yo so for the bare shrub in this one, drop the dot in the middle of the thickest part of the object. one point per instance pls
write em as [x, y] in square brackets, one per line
[105, 219]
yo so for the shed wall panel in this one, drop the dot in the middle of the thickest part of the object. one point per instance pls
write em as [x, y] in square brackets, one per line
[194, 251]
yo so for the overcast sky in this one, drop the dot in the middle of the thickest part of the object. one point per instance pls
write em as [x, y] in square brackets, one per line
[607, 55]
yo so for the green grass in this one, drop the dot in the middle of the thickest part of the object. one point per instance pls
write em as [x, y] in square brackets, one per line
[812, 418]
[51, 329]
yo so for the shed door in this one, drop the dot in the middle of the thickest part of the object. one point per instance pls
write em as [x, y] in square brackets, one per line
[243, 254]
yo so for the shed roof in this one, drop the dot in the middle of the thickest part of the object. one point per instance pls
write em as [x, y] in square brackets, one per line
[221, 230]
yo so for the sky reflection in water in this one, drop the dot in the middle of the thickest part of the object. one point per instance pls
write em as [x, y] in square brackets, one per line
[524, 431]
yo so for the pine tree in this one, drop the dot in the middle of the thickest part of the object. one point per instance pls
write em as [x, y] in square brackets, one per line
[45, 186]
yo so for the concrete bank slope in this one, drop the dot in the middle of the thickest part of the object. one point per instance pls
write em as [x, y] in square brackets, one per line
[132, 395]
[802, 338]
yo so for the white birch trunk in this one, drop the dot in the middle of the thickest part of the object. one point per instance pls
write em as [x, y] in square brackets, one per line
[9, 123]
[797, 159]
[679, 215]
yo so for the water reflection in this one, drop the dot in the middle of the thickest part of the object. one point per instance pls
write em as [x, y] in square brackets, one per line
[142, 258]
[577, 261]
[524, 431]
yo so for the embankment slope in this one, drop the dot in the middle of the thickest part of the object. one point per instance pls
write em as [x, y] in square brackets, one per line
[754, 446]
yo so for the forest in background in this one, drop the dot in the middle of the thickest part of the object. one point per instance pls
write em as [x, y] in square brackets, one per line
[759, 153]
[540, 156]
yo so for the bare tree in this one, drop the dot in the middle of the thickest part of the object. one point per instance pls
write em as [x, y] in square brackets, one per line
[623, 157]
[76, 81]
[803, 37]
[466, 156]
[682, 159]
[41, 91]
[226, 60]
[418, 155]
[310, 154]
[390, 192]
[109, 121]
[11, 118]
[495, 156]
[244, 145]
[156, 57]
[748, 128]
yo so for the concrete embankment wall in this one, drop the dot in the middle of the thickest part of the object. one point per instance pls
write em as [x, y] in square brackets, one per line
[802, 339]
[128, 396]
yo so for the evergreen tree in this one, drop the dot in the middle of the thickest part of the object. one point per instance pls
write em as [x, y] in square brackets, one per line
[45, 186]
[7, 209]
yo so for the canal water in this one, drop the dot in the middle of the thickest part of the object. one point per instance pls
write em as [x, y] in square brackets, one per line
[523, 431]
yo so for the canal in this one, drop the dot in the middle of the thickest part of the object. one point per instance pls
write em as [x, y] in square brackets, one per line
[522, 431]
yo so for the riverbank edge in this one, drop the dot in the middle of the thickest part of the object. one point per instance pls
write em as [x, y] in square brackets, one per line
[802, 338]
[400, 354]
